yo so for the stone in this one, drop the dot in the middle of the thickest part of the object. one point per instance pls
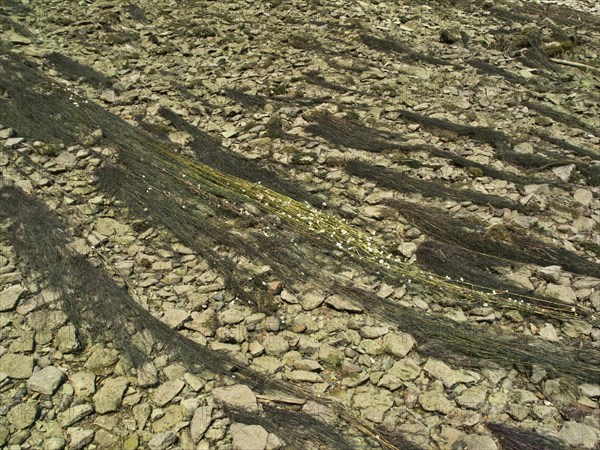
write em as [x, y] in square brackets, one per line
[341, 304]
[74, 414]
[524, 148]
[66, 159]
[233, 316]
[174, 318]
[304, 375]
[167, 391]
[374, 403]
[444, 373]
[16, 366]
[564, 172]
[23, 415]
[548, 332]
[435, 401]
[472, 398]
[10, 297]
[331, 357]
[200, 422]
[80, 437]
[267, 364]
[579, 435]
[311, 298]
[561, 292]
[373, 332]
[54, 443]
[101, 359]
[405, 370]
[46, 381]
[248, 437]
[162, 441]
[256, 348]
[66, 340]
[275, 345]
[590, 390]
[475, 441]
[583, 196]
[237, 396]
[110, 396]
[84, 383]
[550, 273]
[390, 382]
[173, 415]
[398, 344]
[147, 375]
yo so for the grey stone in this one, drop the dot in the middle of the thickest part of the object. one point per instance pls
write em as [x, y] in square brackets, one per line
[564, 172]
[390, 382]
[174, 318]
[548, 332]
[46, 381]
[65, 340]
[374, 403]
[23, 415]
[583, 197]
[10, 297]
[200, 422]
[590, 390]
[84, 383]
[162, 441]
[248, 437]
[331, 357]
[267, 364]
[550, 273]
[275, 345]
[304, 375]
[561, 292]
[173, 416]
[167, 391]
[101, 359]
[405, 369]
[373, 332]
[233, 316]
[443, 372]
[398, 344]
[524, 148]
[110, 396]
[472, 398]
[311, 298]
[66, 159]
[147, 375]
[54, 443]
[477, 442]
[238, 395]
[579, 435]
[16, 366]
[435, 401]
[80, 437]
[74, 414]
[341, 304]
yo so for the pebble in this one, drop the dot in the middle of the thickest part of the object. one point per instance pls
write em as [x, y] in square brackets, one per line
[46, 381]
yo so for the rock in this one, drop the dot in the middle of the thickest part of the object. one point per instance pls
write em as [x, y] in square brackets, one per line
[80, 437]
[398, 344]
[450, 35]
[84, 383]
[341, 304]
[448, 376]
[174, 318]
[548, 332]
[23, 415]
[101, 359]
[579, 435]
[66, 159]
[16, 366]
[162, 441]
[10, 297]
[110, 396]
[561, 292]
[74, 414]
[180, 137]
[233, 316]
[405, 369]
[583, 196]
[267, 364]
[173, 416]
[54, 443]
[331, 357]
[475, 441]
[472, 398]
[200, 422]
[550, 273]
[564, 172]
[524, 148]
[590, 390]
[46, 381]
[273, 442]
[65, 340]
[256, 348]
[435, 401]
[304, 375]
[275, 345]
[237, 396]
[373, 332]
[390, 382]
[311, 298]
[248, 437]
[147, 375]
[374, 403]
[167, 391]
